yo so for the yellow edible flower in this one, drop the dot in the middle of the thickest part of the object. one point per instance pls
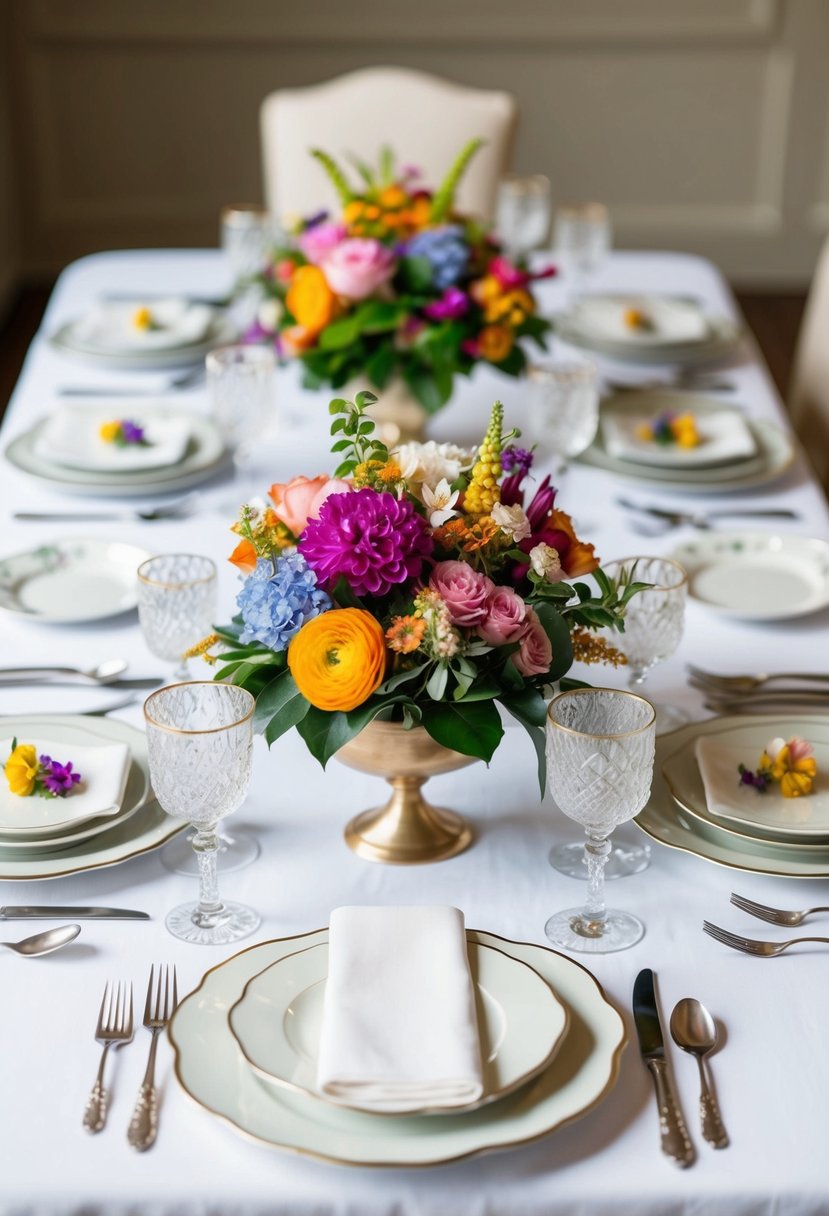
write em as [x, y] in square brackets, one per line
[109, 431]
[792, 764]
[21, 769]
[142, 318]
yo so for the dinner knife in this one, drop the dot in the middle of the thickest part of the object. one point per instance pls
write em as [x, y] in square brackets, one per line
[676, 1143]
[45, 912]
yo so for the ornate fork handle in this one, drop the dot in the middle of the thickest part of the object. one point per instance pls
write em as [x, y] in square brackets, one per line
[95, 1113]
[143, 1127]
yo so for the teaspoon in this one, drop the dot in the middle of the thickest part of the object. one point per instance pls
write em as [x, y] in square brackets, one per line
[693, 1029]
[44, 943]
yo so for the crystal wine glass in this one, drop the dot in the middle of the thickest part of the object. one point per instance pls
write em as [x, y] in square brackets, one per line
[600, 750]
[241, 381]
[563, 404]
[200, 747]
[654, 621]
[523, 214]
[247, 236]
[176, 604]
[581, 240]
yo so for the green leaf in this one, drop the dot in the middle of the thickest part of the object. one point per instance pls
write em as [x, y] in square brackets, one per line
[436, 684]
[343, 596]
[379, 316]
[416, 273]
[287, 707]
[325, 733]
[401, 677]
[431, 395]
[340, 333]
[381, 364]
[472, 728]
[516, 707]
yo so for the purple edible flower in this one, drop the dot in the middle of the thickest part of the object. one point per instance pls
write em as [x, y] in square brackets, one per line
[130, 433]
[759, 781]
[58, 778]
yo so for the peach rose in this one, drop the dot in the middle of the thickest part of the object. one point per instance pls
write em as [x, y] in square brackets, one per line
[298, 500]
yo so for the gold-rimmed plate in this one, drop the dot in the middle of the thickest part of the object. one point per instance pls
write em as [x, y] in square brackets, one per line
[212, 1070]
[277, 1023]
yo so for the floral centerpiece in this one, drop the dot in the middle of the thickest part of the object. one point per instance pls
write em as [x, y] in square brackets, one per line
[399, 284]
[427, 585]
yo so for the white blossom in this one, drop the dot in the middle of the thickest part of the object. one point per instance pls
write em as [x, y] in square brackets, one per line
[512, 520]
[432, 462]
[546, 562]
[270, 314]
[439, 502]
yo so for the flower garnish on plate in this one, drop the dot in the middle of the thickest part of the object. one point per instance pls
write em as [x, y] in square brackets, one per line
[143, 319]
[27, 773]
[791, 764]
[670, 428]
[637, 318]
[123, 433]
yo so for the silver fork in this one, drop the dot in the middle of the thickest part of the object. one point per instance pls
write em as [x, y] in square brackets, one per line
[775, 916]
[114, 1026]
[185, 380]
[750, 945]
[740, 684]
[158, 1009]
[177, 509]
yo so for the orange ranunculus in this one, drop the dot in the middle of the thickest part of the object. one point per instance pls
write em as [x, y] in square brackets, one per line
[392, 197]
[579, 558]
[244, 556]
[310, 300]
[298, 500]
[484, 290]
[513, 307]
[495, 342]
[338, 659]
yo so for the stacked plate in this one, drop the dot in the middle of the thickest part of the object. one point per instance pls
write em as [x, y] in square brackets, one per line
[67, 452]
[71, 581]
[698, 805]
[247, 1040]
[650, 329]
[112, 818]
[734, 453]
[171, 333]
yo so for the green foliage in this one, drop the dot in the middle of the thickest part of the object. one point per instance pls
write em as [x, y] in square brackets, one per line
[445, 195]
[472, 728]
[335, 175]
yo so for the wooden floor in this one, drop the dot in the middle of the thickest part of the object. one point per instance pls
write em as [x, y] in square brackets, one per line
[774, 319]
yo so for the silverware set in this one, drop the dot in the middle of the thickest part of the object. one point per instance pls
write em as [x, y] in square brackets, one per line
[695, 1032]
[105, 675]
[652, 520]
[186, 380]
[773, 916]
[115, 1026]
[180, 508]
[727, 694]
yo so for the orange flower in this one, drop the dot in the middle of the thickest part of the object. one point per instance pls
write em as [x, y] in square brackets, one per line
[466, 536]
[484, 290]
[338, 659]
[353, 211]
[512, 308]
[494, 343]
[406, 633]
[297, 339]
[392, 197]
[310, 299]
[580, 558]
[244, 556]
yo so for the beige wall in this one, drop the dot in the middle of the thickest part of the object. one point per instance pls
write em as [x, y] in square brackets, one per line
[703, 123]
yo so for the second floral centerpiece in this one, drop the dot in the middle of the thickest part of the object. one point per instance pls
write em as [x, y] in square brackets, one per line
[420, 588]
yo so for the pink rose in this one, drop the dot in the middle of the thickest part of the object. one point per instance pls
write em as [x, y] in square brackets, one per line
[505, 619]
[463, 590]
[298, 500]
[535, 654]
[357, 267]
[318, 241]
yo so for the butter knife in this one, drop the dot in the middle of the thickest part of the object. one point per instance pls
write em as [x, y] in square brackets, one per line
[676, 1142]
[45, 912]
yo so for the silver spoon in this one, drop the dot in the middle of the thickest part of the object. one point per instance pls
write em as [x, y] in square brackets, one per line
[44, 943]
[693, 1029]
[104, 674]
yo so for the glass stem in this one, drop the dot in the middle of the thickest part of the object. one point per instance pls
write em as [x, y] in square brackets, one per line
[596, 852]
[637, 676]
[182, 673]
[210, 911]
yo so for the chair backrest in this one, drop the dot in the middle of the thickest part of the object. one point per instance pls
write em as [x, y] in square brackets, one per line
[423, 119]
[809, 390]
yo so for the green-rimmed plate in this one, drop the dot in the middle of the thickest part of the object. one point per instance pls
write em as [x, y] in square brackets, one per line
[71, 581]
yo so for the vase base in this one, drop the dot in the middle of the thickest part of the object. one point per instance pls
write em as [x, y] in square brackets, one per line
[434, 834]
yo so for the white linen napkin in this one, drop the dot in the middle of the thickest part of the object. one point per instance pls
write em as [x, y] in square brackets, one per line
[104, 770]
[399, 1029]
[671, 320]
[111, 328]
[724, 435]
[71, 437]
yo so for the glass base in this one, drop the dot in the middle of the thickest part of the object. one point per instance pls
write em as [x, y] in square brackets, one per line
[670, 717]
[238, 920]
[622, 861]
[236, 851]
[570, 931]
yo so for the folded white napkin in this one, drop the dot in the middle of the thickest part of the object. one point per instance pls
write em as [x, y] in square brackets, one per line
[399, 1029]
[104, 770]
[727, 799]
[71, 437]
[111, 328]
[724, 435]
[671, 321]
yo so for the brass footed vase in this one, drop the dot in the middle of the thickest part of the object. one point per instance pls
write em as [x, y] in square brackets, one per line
[407, 830]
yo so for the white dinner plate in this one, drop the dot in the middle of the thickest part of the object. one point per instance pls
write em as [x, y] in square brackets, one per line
[277, 1023]
[108, 328]
[703, 778]
[757, 576]
[211, 1069]
[131, 835]
[70, 581]
[102, 769]
[204, 455]
[775, 449]
[684, 334]
[71, 438]
[724, 437]
[665, 821]
[220, 331]
[71, 731]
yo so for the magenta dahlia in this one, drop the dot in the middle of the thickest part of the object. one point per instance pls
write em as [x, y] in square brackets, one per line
[376, 541]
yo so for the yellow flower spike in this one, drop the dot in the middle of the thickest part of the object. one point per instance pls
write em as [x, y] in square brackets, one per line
[21, 769]
[483, 490]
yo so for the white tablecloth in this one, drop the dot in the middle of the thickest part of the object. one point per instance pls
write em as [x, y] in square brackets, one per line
[773, 1073]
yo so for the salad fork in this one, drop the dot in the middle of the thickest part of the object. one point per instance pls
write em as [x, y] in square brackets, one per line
[158, 1009]
[775, 916]
[740, 684]
[114, 1026]
[750, 945]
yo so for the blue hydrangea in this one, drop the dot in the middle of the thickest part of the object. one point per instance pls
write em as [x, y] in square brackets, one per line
[445, 249]
[275, 606]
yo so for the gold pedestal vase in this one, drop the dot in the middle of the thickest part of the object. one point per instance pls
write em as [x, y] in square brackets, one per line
[408, 830]
[399, 416]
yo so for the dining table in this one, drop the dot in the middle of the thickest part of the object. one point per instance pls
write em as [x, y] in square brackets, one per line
[770, 1068]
